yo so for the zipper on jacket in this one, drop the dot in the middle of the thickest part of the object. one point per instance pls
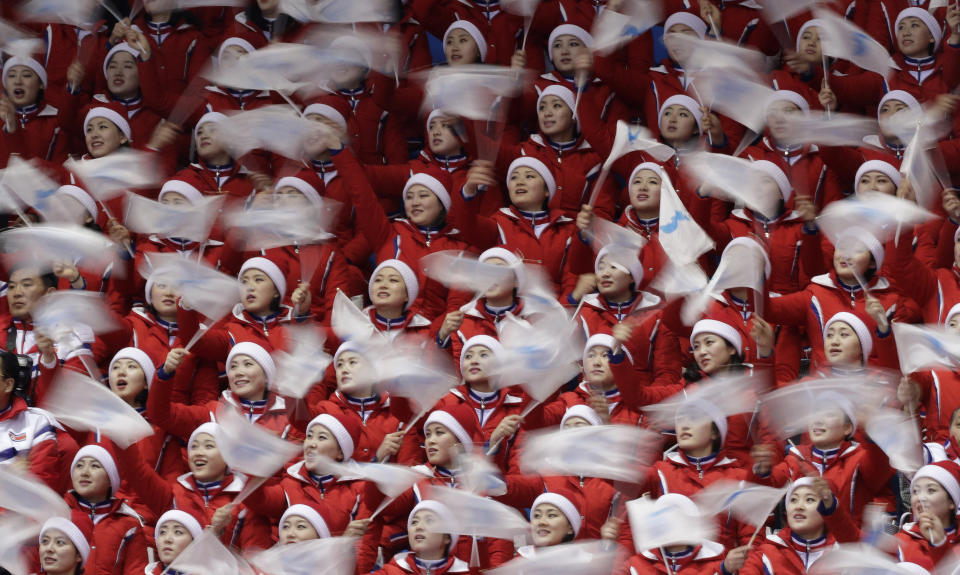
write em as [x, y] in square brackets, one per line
[699, 470]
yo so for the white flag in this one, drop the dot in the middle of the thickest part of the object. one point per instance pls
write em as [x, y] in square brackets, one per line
[348, 321]
[607, 233]
[743, 264]
[682, 239]
[858, 559]
[617, 452]
[191, 222]
[776, 10]
[736, 178]
[539, 356]
[24, 494]
[266, 228]
[612, 29]
[898, 436]
[838, 130]
[918, 166]
[878, 213]
[111, 175]
[206, 555]
[405, 369]
[304, 365]
[630, 138]
[748, 502]
[736, 96]
[250, 448]
[340, 11]
[283, 67]
[926, 347]
[841, 39]
[520, 7]
[582, 558]
[64, 310]
[701, 54]
[727, 396]
[278, 129]
[189, 4]
[470, 91]
[90, 250]
[328, 556]
[665, 524]
[82, 403]
[391, 480]
[202, 288]
[16, 533]
[463, 271]
[673, 280]
[71, 12]
[791, 409]
[477, 516]
[28, 184]
[385, 48]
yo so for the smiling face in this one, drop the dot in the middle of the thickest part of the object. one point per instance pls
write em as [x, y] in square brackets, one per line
[596, 371]
[645, 193]
[829, 428]
[204, 459]
[352, 375]
[677, 124]
[876, 182]
[123, 77]
[320, 443]
[22, 86]
[127, 380]
[712, 353]
[389, 289]
[422, 206]
[90, 480]
[555, 118]
[258, 292]
[527, 189]
[842, 345]
[809, 46]
[295, 529]
[612, 282]
[58, 554]
[549, 525]
[172, 538]
[423, 541]
[441, 445]
[914, 39]
[443, 136]
[564, 49]
[246, 378]
[460, 48]
[103, 137]
[802, 515]
[478, 361]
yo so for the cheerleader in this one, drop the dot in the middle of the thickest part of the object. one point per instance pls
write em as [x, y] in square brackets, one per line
[175, 531]
[431, 552]
[64, 546]
[934, 492]
[302, 523]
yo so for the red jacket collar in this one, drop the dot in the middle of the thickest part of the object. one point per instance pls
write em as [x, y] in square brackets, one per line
[16, 407]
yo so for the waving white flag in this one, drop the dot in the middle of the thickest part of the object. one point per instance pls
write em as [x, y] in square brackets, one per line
[111, 175]
[614, 28]
[193, 222]
[898, 436]
[618, 452]
[45, 244]
[304, 365]
[24, 494]
[348, 321]
[73, 12]
[391, 480]
[682, 239]
[82, 403]
[250, 448]
[206, 555]
[538, 355]
[462, 271]
[748, 502]
[838, 130]
[478, 516]
[739, 97]
[668, 523]
[202, 288]
[340, 11]
[581, 558]
[928, 346]
[278, 129]
[328, 556]
[841, 39]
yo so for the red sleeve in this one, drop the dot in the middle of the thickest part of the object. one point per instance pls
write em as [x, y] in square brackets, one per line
[862, 90]
[149, 488]
[667, 362]
[913, 278]
[790, 309]
[403, 100]
[176, 418]
[951, 65]
[480, 231]
[388, 181]
[329, 277]
[926, 249]
[269, 500]
[372, 221]
[44, 461]
[213, 345]
[844, 161]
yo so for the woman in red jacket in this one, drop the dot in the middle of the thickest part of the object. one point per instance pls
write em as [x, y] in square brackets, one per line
[64, 546]
[174, 531]
[250, 374]
[555, 519]
[301, 523]
[118, 537]
[431, 553]
[935, 395]
[934, 493]
[206, 492]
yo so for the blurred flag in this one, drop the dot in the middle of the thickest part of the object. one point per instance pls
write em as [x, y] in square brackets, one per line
[278, 129]
[682, 239]
[478, 475]
[470, 91]
[538, 355]
[476, 515]
[666, 524]
[327, 556]
[841, 39]
[391, 480]
[77, 13]
[348, 321]
[16, 534]
[385, 48]
[82, 403]
[65, 309]
[201, 288]
[108, 177]
[743, 264]
[581, 558]
[702, 54]
[898, 436]
[736, 178]
[617, 452]
[45, 244]
[164, 5]
[725, 396]
[192, 222]
[791, 409]
[926, 347]
[876, 212]
[614, 28]
[24, 494]
[858, 559]
[607, 233]
[283, 67]
[776, 10]
[736, 96]
[463, 271]
[405, 369]
[27, 182]
[674, 280]
[839, 130]
[748, 502]
[249, 448]
[266, 228]
[304, 365]
[918, 166]
[630, 138]
[341, 11]
[205, 555]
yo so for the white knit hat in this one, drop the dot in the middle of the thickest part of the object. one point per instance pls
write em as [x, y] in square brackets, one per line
[351, 346]
[354, 44]
[268, 267]
[792, 97]
[877, 166]
[687, 19]
[81, 195]
[939, 472]
[540, 168]
[865, 237]
[302, 186]
[812, 23]
[655, 168]
[328, 112]
[582, 411]
[953, 310]
[490, 343]
[752, 243]
[37, 68]
[188, 191]
[559, 91]
[72, 532]
[258, 354]
[183, 518]
[209, 117]
[234, 41]
[901, 96]
[441, 511]
[121, 47]
[475, 33]
[719, 328]
[451, 423]
[338, 430]
[770, 169]
[570, 30]
[838, 401]
[622, 258]
[599, 340]
[687, 102]
[408, 275]
[434, 185]
[857, 325]
[106, 460]
[211, 428]
[935, 27]
[565, 506]
[142, 359]
[912, 568]
[311, 515]
[802, 482]
[103, 112]
[695, 407]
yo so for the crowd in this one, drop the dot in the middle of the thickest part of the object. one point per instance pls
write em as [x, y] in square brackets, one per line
[614, 229]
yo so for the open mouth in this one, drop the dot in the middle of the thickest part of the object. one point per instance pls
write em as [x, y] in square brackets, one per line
[19, 92]
[121, 384]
